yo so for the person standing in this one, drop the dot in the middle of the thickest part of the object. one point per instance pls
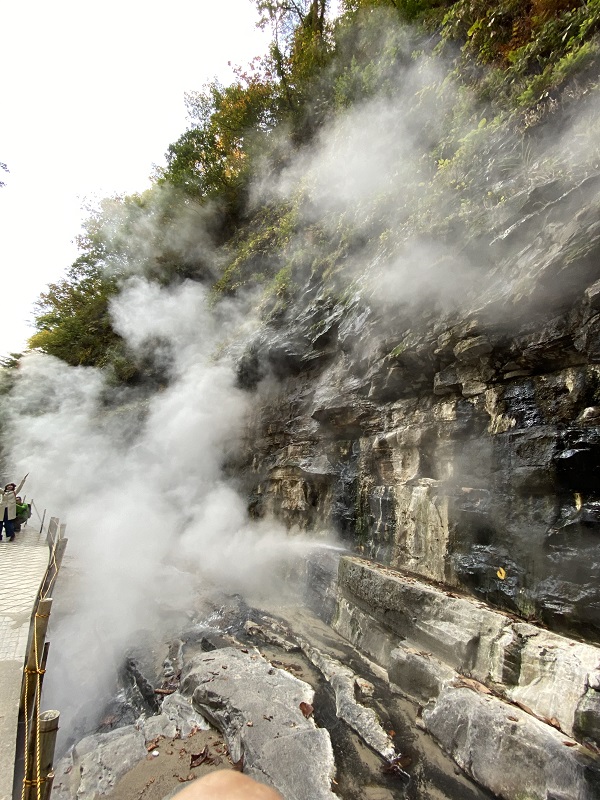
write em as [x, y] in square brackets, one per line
[8, 508]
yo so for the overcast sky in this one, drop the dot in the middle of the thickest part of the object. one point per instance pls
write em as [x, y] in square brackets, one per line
[92, 95]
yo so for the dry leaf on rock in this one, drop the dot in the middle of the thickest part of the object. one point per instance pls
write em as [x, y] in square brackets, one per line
[199, 758]
[470, 683]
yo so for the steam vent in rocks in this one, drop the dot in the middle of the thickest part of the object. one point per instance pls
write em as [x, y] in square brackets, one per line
[327, 402]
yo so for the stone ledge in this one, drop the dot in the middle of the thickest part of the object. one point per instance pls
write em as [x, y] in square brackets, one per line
[508, 751]
[409, 627]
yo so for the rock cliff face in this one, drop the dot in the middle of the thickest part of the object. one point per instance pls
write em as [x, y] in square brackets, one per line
[456, 436]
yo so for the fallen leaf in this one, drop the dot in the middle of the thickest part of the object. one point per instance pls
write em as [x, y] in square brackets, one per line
[570, 744]
[238, 766]
[525, 708]
[397, 765]
[151, 745]
[306, 709]
[199, 758]
[470, 683]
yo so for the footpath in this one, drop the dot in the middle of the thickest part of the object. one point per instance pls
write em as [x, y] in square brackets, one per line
[23, 566]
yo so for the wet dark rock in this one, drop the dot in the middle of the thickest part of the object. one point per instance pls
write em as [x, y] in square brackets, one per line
[578, 468]
[446, 381]
[415, 402]
[472, 349]
[144, 686]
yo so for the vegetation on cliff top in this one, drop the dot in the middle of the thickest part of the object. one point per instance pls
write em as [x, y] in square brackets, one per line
[491, 71]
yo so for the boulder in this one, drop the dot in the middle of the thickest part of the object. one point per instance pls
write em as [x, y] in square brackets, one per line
[95, 764]
[266, 716]
[509, 752]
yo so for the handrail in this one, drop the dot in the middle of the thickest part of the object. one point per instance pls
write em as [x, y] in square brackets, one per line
[40, 727]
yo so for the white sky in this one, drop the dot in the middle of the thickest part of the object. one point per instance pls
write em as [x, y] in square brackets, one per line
[91, 97]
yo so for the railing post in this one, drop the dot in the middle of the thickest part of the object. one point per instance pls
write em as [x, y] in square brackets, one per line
[57, 553]
[35, 654]
[52, 535]
[48, 728]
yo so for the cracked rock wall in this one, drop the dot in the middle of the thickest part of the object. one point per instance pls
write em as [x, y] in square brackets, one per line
[461, 445]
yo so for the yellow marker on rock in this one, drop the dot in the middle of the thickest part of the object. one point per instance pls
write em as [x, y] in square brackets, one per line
[501, 573]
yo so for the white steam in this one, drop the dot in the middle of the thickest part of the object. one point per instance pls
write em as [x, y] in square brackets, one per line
[149, 512]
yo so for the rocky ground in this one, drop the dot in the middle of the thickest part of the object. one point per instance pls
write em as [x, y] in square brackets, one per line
[171, 764]
[288, 701]
[370, 684]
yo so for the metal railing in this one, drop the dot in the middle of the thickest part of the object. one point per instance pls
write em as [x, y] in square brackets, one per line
[39, 728]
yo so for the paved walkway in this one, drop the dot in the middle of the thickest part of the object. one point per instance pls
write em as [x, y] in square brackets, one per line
[23, 564]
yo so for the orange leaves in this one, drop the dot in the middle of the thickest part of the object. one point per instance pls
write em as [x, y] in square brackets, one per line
[306, 709]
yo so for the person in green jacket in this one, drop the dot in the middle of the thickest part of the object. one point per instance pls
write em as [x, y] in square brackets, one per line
[23, 514]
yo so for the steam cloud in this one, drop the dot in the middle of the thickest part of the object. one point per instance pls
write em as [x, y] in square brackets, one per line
[149, 512]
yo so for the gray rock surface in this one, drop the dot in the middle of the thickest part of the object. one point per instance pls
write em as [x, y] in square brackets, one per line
[343, 681]
[345, 684]
[418, 675]
[510, 752]
[177, 718]
[95, 764]
[179, 710]
[258, 709]
[424, 637]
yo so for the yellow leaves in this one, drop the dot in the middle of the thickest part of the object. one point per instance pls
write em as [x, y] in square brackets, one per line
[39, 340]
[501, 573]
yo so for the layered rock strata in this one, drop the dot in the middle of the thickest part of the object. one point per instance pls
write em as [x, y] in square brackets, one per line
[455, 433]
[516, 706]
